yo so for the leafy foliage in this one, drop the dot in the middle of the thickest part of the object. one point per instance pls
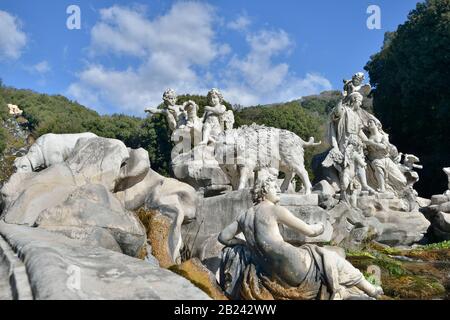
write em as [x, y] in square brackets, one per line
[412, 93]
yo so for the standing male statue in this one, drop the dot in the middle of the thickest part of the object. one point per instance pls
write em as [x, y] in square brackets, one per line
[348, 140]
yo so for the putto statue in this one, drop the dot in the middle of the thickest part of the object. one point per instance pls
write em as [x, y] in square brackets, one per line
[264, 266]
[175, 114]
[214, 116]
[356, 85]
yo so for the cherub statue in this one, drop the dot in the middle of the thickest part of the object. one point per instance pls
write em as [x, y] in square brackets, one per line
[447, 172]
[306, 272]
[213, 114]
[175, 114]
[356, 85]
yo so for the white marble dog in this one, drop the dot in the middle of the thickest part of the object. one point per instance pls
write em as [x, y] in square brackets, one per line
[49, 149]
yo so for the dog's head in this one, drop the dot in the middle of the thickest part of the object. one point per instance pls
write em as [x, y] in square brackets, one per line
[23, 165]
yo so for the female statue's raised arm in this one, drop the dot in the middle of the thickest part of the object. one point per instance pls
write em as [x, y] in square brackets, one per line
[286, 217]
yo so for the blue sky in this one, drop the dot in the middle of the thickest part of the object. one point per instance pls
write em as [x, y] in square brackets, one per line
[127, 53]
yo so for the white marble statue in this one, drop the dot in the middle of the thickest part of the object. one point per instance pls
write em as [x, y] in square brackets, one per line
[194, 123]
[14, 110]
[248, 149]
[213, 116]
[175, 114]
[49, 149]
[410, 163]
[356, 84]
[227, 120]
[382, 155]
[447, 172]
[308, 268]
[348, 141]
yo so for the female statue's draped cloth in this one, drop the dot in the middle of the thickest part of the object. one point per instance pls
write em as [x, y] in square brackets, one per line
[243, 276]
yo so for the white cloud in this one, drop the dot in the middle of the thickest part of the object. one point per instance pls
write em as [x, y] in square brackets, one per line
[173, 50]
[257, 79]
[179, 50]
[12, 38]
[240, 24]
[41, 67]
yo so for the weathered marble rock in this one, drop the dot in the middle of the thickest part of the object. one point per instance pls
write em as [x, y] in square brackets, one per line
[170, 197]
[27, 195]
[379, 219]
[74, 197]
[59, 268]
[200, 169]
[439, 213]
[98, 161]
[89, 209]
[50, 149]
[135, 169]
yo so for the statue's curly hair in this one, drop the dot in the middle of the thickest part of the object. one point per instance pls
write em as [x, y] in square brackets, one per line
[262, 183]
[216, 92]
[169, 93]
[358, 76]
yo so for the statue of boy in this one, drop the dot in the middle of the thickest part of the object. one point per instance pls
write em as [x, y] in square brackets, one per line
[213, 116]
[175, 114]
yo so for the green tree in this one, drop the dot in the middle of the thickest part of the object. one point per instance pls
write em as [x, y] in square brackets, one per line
[412, 90]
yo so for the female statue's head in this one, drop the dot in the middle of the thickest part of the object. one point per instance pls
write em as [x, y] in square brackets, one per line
[373, 124]
[266, 187]
[170, 97]
[214, 97]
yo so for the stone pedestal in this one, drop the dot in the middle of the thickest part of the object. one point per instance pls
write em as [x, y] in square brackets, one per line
[299, 199]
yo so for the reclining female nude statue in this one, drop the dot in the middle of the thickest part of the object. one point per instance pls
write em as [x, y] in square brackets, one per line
[264, 266]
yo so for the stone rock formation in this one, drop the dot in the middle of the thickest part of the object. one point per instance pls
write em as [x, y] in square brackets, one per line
[78, 210]
[439, 213]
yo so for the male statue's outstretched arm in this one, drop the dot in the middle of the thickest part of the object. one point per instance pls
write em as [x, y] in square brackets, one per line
[154, 111]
